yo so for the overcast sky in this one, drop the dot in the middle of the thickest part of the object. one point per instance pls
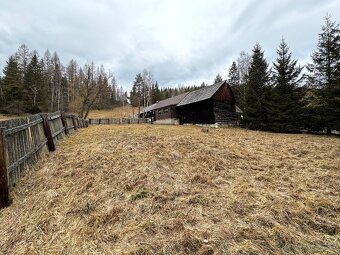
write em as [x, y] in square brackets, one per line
[179, 41]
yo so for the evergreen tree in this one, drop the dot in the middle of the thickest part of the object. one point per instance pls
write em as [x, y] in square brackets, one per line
[12, 86]
[156, 94]
[285, 106]
[257, 91]
[34, 87]
[234, 81]
[325, 76]
[234, 77]
[136, 92]
[218, 78]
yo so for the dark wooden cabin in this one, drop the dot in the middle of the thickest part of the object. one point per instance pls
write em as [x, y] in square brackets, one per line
[211, 104]
[165, 109]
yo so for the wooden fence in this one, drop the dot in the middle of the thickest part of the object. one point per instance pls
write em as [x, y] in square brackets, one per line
[117, 121]
[22, 141]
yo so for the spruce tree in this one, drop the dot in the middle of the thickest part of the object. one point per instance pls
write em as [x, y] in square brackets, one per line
[12, 87]
[34, 86]
[285, 108]
[218, 78]
[257, 91]
[136, 92]
[155, 96]
[234, 82]
[325, 76]
[234, 77]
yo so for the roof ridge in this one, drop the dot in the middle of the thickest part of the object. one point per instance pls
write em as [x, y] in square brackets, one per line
[195, 96]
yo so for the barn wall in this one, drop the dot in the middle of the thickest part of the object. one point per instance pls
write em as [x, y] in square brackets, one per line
[200, 112]
[224, 112]
[166, 113]
[224, 94]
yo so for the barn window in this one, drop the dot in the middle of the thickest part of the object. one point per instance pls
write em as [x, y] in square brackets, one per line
[166, 110]
[159, 111]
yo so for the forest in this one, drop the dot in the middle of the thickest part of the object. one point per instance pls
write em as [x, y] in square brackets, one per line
[281, 97]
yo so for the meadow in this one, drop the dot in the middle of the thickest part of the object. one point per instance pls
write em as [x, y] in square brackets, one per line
[148, 189]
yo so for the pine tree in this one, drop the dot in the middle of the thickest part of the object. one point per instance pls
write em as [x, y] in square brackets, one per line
[136, 92]
[218, 78]
[325, 76]
[34, 86]
[12, 86]
[234, 77]
[257, 91]
[155, 96]
[285, 106]
[234, 81]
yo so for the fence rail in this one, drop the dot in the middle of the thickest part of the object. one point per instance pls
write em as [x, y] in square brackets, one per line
[22, 141]
[117, 121]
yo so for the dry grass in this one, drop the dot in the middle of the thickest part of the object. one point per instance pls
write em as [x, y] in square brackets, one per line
[118, 112]
[147, 189]
[8, 117]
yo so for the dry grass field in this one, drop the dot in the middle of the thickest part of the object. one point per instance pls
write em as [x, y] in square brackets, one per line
[147, 189]
[117, 112]
[8, 117]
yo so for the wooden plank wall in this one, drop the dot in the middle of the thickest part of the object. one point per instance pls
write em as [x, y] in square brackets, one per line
[24, 139]
[118, 121]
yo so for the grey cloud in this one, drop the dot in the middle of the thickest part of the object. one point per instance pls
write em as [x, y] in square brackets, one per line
[178, 41]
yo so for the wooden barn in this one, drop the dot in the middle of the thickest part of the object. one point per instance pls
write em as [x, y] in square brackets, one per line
[211, 104]
[164, 111]
[207, 105]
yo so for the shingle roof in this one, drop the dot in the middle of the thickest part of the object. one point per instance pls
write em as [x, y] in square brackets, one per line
[170, 101]
[148, 108]
[201, 94]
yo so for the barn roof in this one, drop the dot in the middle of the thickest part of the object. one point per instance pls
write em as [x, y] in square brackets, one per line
[148, 108]
[170, 101]
[201, 94]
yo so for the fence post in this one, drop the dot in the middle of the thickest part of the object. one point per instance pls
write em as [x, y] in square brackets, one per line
[74, 122]
[48, 132]
[4, 191]
[63, 120]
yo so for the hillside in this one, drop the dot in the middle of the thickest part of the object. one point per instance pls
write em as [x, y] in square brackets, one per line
[117, 112]
[147, 189]
[9, 117]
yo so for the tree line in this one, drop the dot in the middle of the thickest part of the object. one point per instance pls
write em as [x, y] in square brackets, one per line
[288, 97]
[146, 91]
[32, 84]
[283, 97]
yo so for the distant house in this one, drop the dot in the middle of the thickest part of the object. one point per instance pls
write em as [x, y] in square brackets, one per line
[211, 104]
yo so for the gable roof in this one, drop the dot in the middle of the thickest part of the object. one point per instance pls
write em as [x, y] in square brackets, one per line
[148, 108]
[170, 101]
[201, 94]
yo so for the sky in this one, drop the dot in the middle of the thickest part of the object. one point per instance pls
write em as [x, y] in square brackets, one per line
[182, 42]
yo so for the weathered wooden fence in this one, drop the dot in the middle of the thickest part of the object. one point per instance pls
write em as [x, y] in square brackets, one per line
[117, 121]
[22, 141]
